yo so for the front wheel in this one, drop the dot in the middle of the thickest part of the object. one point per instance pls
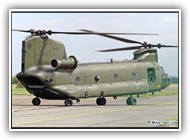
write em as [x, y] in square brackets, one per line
[131, 101]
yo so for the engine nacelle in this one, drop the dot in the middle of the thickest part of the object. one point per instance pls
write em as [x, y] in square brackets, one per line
[69, 63]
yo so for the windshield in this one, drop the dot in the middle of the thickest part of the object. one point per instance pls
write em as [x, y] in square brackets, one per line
[162, 70]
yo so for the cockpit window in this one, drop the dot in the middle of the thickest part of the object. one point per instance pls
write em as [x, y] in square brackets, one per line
[151, 74]
[162, 70]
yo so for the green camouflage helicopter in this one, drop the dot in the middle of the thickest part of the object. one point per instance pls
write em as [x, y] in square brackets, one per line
[48, 73]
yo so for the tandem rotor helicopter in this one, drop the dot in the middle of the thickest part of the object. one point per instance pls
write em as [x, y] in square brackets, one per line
[48, 73]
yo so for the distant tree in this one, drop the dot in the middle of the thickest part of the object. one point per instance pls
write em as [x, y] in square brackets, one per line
[19, 85]
[16, 82]
[174, 80]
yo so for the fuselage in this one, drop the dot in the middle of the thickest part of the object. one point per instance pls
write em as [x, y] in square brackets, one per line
[95, 80]
[48, 73]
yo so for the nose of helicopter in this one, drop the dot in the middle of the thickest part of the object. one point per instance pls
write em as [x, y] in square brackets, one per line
[166, 81]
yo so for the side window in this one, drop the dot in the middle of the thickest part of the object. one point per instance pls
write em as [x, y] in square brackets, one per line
[77, 80]
[151, 74]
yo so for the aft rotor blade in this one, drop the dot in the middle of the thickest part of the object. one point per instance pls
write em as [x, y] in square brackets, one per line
[26, 31]
[49, 32]
[41, 32]
[91, 33]
[121, 49]
[114, 37]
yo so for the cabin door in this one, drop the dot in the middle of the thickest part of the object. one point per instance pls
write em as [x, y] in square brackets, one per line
[151, 72]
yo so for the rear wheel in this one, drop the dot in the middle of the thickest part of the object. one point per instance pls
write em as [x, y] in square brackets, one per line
[36, 101]
[101, 101]
[131, 101]
[68, 102]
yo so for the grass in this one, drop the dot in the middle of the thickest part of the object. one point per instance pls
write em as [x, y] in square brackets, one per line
[171, 90]
[19, 91]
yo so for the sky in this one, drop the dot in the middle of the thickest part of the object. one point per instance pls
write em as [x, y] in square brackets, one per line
[84, 47]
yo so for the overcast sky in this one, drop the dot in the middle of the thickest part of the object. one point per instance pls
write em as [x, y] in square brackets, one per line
[83, 47]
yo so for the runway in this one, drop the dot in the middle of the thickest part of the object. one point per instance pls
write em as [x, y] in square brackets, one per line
[149, 112]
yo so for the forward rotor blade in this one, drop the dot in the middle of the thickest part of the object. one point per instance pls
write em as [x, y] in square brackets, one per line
[114, 37]
[163, 46]
[121, 49]
[138, 47]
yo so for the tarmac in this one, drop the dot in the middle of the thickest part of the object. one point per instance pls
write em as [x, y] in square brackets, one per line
[154, 112]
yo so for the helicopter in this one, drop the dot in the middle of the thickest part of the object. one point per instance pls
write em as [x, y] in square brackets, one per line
[48, 73]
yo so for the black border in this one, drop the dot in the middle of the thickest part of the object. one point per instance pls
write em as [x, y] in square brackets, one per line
[99, 11]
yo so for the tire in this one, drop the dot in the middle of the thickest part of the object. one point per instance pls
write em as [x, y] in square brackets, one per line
[36, 101]
[101, 101]
[68, 102]
[131, 101]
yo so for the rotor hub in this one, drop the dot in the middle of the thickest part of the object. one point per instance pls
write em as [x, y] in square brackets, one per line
[40, 32]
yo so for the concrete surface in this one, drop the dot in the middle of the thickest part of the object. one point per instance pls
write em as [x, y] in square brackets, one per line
[149, 112]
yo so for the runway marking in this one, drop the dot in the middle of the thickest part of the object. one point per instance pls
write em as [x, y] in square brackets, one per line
[88, 114]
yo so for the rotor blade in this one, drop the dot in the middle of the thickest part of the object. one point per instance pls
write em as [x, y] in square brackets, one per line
[32, 31]
[71, 33]
[88, 33]
[27, 31]
[43, 32]
[163, 46]
[85, 33]
[114, 37]
[93, 32]
[121, 49]
[137, 47]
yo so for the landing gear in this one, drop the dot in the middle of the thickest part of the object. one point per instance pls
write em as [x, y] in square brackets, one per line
[78, 100]
[100, 101]
[114, 97]
[68, 102]
[36, 101]
[131, 101]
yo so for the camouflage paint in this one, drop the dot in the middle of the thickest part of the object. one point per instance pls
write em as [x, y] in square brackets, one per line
[138, 76]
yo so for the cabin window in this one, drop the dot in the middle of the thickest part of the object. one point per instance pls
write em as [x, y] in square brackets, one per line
[151, 74]
[133, 75]
[77, 80]
[97, 78]
[115, 77]
[162, 70]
